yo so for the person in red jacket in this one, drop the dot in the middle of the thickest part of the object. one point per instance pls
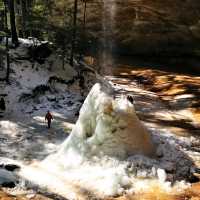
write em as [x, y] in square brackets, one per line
[48, 117]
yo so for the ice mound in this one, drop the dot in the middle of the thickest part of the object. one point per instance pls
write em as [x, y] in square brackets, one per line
[107, 132]
[106, 126]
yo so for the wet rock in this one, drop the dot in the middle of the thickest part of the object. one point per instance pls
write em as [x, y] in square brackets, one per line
[35, 108]
[40, 52]
[81, 100]
[29, 110]
[70, 103]
[57, 106]
[193, 179]
[7, 179]
[3, 95]
[197, 170]
[8, 184]
[61, 97]
[32, 196]
[11, 167]
[77, 113]
[19, 135]
[51, 98]
[170, 178]
[183, 172]
[159, 152]
[168, 166]
[1, 114]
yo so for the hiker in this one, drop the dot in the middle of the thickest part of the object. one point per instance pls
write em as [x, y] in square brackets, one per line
[48, 117]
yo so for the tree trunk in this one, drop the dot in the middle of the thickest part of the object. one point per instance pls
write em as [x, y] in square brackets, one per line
[23, 9]
[84, 28]
[29, 5]
[2, 20]
[7, 48]
[8, 61]
[74, 32]
[12, 22]
[84, 15]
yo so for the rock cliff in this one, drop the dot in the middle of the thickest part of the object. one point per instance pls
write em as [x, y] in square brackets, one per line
[157, 27]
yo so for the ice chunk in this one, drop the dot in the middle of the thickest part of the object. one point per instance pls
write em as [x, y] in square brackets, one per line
[162, 176]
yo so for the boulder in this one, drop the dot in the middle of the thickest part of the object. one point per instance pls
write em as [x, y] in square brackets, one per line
[7, 178]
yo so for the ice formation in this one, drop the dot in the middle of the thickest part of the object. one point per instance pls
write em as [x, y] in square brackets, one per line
[107, 132]
[106, 127]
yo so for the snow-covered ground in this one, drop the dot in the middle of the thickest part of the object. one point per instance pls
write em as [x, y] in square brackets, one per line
[24, 79]
[23, 129]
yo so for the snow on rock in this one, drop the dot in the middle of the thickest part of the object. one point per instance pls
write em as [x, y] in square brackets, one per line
[27, 76]
[8, 128]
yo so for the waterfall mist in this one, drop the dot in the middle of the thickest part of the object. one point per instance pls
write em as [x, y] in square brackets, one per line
[108, 29]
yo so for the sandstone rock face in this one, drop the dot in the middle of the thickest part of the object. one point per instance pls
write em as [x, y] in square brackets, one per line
[170, 27]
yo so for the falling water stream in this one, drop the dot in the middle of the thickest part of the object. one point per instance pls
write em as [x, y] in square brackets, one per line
[108, 30]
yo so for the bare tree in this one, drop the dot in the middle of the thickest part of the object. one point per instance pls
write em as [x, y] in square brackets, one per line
[12, 22]
[7, 47]
[24, 16]
[74, 32]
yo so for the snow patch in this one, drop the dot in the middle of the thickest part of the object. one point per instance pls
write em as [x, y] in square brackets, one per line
[9, 128]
